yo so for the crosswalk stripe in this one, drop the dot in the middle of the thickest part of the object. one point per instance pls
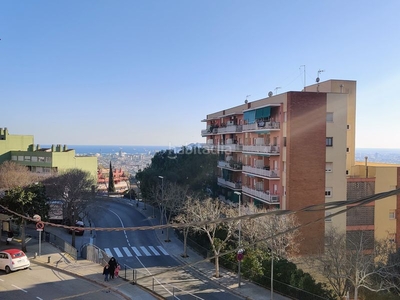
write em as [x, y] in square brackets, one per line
[119, 254]
[154, 250]
[145, 251]
[127, 252]
[137, 252]
[162, 250]
[108, 251]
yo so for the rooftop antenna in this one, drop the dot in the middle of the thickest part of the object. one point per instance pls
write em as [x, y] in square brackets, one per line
[270, 94]
[304, 70]
[246, 101]
[317, 80]
[276, 89]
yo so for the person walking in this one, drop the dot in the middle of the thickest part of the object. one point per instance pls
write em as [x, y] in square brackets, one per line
[106, 272]
[116, 272]
[113, 264]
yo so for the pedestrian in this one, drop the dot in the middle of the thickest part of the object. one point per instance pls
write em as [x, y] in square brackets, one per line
[106, 272]
[113, 264]
[116, 272]
[10, 236]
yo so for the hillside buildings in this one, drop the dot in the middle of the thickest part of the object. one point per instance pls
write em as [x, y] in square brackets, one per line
[290, 151]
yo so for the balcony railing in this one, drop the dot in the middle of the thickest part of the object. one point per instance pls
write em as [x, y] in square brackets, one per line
[230, 184]
[261, 172]
[261, 126]
[262, 149]
[233, 165]
[264, 196]
[230, 128]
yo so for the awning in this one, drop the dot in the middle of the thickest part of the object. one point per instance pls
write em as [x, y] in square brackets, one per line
[249, 116]
[264, 112]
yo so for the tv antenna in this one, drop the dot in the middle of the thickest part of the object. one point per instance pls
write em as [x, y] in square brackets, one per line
[246, 101]
[317, 80]
[304, 70]
[276, 89]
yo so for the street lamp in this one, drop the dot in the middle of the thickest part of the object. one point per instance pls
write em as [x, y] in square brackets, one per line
[240, 229]
[162, 197]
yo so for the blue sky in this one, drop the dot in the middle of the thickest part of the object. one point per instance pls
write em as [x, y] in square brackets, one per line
[147, 72]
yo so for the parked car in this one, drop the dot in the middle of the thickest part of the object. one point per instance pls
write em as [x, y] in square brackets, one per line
[13, 260]
[79, 228]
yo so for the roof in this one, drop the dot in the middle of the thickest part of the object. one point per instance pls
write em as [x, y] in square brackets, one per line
[12, 251]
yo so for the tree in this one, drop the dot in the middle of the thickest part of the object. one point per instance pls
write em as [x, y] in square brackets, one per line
[26, 201]
[355, 261]
[186, 216]
[218, 234]
[111, 184]
[75, 188]
[13, 175]
[280, 227]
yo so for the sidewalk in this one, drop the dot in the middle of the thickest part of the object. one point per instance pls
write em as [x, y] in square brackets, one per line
[52, 257]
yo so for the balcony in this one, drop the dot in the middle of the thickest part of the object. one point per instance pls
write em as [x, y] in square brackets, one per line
[261, 126]
[230, 165]
[262, 149]
[260, 195]
[230, 129]
[261, 171]
[229, 184]
[230, 147]
[210, 131]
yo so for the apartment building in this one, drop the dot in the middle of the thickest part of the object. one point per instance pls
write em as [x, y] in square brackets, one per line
[289, 151]
[22, 150]
[378, 220]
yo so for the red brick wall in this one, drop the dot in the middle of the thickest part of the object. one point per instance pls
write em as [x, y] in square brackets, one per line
[306, 156]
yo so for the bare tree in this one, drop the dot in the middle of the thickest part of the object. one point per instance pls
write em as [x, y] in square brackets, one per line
[171, 200]
[280, 227]
[13, 175]
[211, 210]
[186, 217]
[357, 260]
[75, 188]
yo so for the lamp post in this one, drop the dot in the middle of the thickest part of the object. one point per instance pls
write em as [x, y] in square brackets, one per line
[162, 197]
[240, 254]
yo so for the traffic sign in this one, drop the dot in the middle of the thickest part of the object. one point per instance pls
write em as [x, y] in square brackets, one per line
[39, 225]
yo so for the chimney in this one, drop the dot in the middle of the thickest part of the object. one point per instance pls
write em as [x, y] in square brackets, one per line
[53, 148]
[65, 148]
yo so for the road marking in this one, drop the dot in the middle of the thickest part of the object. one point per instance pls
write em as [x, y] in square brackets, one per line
[137, 252]
[17, 287]
[145, 251]
[108, 251]
[162, 250]
[154, 250]
[119, 253]
[127, 252]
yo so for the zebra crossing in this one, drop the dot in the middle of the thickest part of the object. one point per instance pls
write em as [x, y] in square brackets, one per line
[136, 251]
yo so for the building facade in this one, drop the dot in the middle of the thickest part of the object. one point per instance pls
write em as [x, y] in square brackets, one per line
[22, 150]
[289, 151]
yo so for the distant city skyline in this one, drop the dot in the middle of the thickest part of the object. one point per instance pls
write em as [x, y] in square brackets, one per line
[147, 72]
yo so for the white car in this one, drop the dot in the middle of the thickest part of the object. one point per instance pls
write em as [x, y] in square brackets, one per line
[13, 260]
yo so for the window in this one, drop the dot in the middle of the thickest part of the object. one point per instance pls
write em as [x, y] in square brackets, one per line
[348, 126]
[329, 117]
[392, 215]
[328, 192]
[284, 141]
[328, 167]
[328, 216]
[329, 141]
[347, 149]
[347, 172]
